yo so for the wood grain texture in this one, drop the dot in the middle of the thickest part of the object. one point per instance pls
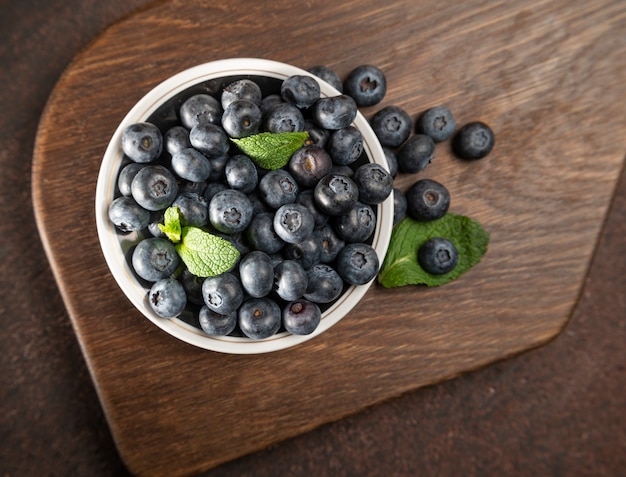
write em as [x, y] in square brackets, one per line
[547, 76]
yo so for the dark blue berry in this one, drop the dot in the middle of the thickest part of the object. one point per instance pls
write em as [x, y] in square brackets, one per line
[242, 118]
[175, 139]
[335, 194]
[392, 126]
[335, 112]
[309, 164]
[154, 259]
[193, 286]
[416, 153]
[399, 205]
[256, 273]
[126, 176]
[473, 141]
[199, 109]
[437, 122]
[300, 90]
[193, 207]
[438, 256]
[222, 293]
[241, 173]
[357, 263]
[277, 188]
[213, 188]
[375, 183]
[318, 136]
[392, 161]
[191, 165]
[427, 200]
[154, 187]
[331, 243]
[293, 222]
[142, 142]
[127, 215]
[324, 284]
[366, 84]
[306, 198]
[327, 74]
[241, 89]
[167, 298]
[261, 234]
[230, 211]
[259, 318]
[218, 166]
[307, 252]
[210, 139]
[345, 145]
[216, 324]
[283, 117]
[356, 225]
[301, 317]
[290, 280]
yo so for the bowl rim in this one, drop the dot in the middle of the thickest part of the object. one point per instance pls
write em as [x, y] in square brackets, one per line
[113, 248]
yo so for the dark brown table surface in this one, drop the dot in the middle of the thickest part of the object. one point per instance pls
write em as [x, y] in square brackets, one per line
[556, 410]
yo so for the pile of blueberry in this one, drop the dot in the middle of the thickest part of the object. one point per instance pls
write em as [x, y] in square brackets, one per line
[304, 231]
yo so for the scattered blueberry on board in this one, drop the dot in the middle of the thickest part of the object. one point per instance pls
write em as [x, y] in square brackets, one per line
[254, 246]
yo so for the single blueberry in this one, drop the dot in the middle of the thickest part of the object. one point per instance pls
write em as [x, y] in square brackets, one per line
[436, 122]
[193, 207]
[126, 176]
[256, 273]
[290, 280]
[335, 194]
[190, 164]
[241, 89]
[356, 225]
[210, 139]
[416, 153]
[473, 141]
[399, 205]
[200, 109]
[318, 136]
[309, 164]
[324, 284]
[261, 234]
[335, 112]
[222, 293]
[242, 118]
[327, 74]
[300, 90]
[357, 263]
[392, 161]
[392, 126]
[437, 256]
[345, 145]
[154, 187]
[127, 215]
[241, 173]
[277, 188]
[167, 298]
[217, 324]
[259, 318]
[142, 142]
[155, 258]
[293, 222]
[301, 317]
[427, 200]
[307, 252]
[175, 139]
[331, 243]
[375, 183]
[230, 211]
[306, 198]
[283, 117]
[367, 84]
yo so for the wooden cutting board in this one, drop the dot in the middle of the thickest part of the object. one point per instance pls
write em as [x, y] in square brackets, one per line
[548, 76]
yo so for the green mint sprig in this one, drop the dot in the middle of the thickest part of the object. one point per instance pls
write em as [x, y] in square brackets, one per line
[271, 150]
[401, 267]
[204, 254]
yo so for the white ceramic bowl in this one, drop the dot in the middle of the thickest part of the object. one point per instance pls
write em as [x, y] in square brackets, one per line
[116, 246]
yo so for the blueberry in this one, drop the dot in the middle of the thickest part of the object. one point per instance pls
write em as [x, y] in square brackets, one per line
[309, 164]
[217, 324]
[392, 126]
[335, 194]
[366, 84]
[331, 243]
[473, 141]
[193, 286]
[175, 139]
[318, 136]
[268, 102]
[259, 318]
[142, 142]
[293, 222]
[230, 211]
[241, 89]
[156, 218]
[290, 280]
[200, 109]
[324, 284]
[127, 215]
[416, 153]
[307, 252]
[167, 298]
[345, 145]
[256, 273]
[306, 198]
[436, 122]
[193, 207]
[154, 259]
[190, 164]
[242, 118]
[300, 90]
[190, 186]
[375, 183]
[301, 317]
[335, 112]
[283, 117]
[154, 187]
[126, 176]
[356, 225]
[392, 161]
[210, 139]
[357, 263]
[241, 173]
[277, 188]
[213, 188]
[218, 166]
[223, 293]
[261, 234]
[327, 74]
[427, 200]
[438, 256]
[399, 205]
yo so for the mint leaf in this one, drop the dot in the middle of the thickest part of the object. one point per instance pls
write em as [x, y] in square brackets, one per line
[271, 150]
[204, 254]
[172, 226]
[401, 267]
